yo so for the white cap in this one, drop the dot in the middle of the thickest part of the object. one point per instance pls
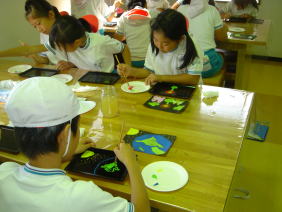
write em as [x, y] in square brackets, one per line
[41, 102]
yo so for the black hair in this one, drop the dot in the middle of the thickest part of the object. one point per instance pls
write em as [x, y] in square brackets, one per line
[173, 25]
[186, 2]
[133, 3]
[38, 141]
[211, 2]
[66, 30]
[40, 8]
[85, 24]
[245, 3]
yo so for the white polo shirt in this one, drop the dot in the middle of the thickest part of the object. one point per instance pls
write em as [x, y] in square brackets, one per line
[136, 32]
[30, 189]
[156, 4]
[167, 63]
[96, 55]
[209, 21]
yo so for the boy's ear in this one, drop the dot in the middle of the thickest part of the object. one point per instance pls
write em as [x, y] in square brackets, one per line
[62, 138]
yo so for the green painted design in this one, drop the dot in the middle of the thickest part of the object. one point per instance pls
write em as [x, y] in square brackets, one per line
[154, 176]
[132, 131]
[157, 151]
[111, 167]
[169, 100]
[151, 142]
[178, 102]
[87, 154]
[174, 87]
[180, 107]
[141, 148]
[153, 104]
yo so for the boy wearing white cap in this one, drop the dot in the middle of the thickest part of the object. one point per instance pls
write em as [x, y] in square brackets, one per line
[45, 113]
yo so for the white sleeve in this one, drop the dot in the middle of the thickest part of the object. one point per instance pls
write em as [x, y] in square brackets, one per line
[120, 25]
[196, 7]
[89, 197]
[111, 45]
[196, 67]
[149, 60]
[217, 21]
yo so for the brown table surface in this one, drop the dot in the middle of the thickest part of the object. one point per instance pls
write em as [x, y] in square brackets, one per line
[209, 137]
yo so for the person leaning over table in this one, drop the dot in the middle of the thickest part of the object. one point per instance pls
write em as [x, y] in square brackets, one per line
[47, 127]
[69, 41]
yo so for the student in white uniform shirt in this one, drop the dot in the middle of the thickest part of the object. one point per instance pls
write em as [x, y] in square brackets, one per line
[240, 8]
[134, 27]
[157, 4]
[47, 127]
[207, 27]
[99, 8]
[172, 55]
[70, 42]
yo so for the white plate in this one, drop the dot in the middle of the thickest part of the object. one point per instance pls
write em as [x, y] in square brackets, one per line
[138, 87]
[19, 69]
[236, 29]
[164, 176]
[86, 106]
[65, 78]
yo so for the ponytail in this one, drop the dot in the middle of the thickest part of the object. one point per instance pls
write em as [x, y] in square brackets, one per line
[190, 53]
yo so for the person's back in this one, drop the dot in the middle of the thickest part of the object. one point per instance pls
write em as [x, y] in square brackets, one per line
[134, 25]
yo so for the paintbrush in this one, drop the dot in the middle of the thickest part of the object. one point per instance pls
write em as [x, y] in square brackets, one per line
[129, 87]
[120, 138]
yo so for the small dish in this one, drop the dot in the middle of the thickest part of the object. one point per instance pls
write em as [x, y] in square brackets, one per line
[19, 69]
[237, 29]
[65, 78]
[135, 87]
[86, 106]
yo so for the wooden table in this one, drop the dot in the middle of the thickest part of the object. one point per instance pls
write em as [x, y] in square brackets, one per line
[240, 45]
[209, 137]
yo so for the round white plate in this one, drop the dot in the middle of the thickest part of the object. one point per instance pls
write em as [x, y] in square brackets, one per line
[137, 87]
[86, 106]
[164, 176]
[65, 78]
[236, 29]
[19, 69]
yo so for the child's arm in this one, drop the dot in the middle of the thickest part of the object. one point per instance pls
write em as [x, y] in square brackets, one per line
[126, 70]
[36, 58]
[180, 78]
[195, 8]
[126, 55]
[23, 51]
[139, 195]
[221, 33]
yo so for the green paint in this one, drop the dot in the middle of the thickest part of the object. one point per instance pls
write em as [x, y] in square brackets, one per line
[140, 148]
[111, 167]
[174, 87]
[153, 104]
[180, 107]
[154, 176]
[87, 154]
[151, 142]
[157, 151]
[178, 102]
[132, 131]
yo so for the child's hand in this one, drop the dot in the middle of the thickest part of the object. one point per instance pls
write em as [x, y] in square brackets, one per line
[123, 70]
[125, 154]
[225, 15]
[83, 144]
[245, 16]
[64, 65]
[151, 79]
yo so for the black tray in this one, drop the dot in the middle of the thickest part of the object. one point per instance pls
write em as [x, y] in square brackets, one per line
[8, 141]
[92, 165]
[100, 78]
[39, 72]
[167, 89]
[236, 19]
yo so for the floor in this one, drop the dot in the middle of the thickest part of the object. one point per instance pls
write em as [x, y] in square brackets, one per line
[259, 169]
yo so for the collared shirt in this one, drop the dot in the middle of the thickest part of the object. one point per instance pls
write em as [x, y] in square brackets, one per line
[31, 189]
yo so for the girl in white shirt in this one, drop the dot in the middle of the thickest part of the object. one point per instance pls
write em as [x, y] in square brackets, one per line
[240, 8]
[171, 56]
[70, 42]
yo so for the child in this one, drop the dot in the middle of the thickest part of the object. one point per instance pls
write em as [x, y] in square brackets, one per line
[157, 5]
[70, 42]
[172, 55]
[211, 28]
[97, 7]
[240, 8]
[47, 127]
[134, 26]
